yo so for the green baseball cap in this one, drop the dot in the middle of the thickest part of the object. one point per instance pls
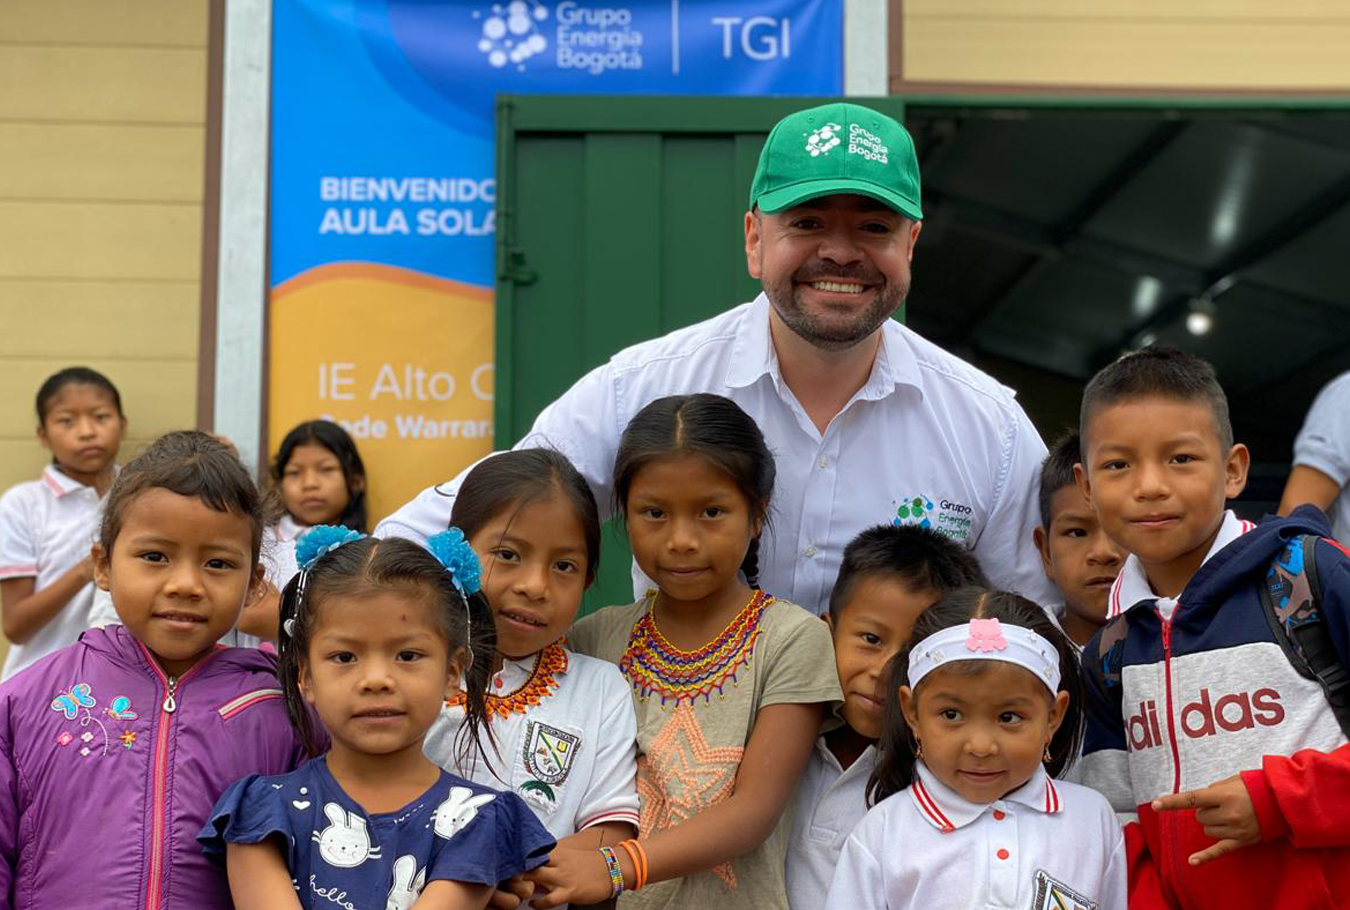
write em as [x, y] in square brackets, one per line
[835, 149]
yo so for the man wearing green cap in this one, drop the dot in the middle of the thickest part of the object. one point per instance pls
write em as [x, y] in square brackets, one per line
[870, 423]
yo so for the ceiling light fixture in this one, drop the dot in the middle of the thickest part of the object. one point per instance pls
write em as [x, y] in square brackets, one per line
[1200, 319]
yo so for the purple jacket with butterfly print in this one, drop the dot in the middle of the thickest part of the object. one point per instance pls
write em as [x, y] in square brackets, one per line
[105, 780]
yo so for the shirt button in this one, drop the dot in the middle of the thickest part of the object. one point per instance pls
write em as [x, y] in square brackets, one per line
[497, 681]
[999, 815]
[809, 551]
[824, 462]
[1002, 854]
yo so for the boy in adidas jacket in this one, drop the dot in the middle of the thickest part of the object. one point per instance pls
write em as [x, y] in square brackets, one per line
[1198, 723]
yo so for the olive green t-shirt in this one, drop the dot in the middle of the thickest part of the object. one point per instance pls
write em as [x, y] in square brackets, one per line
[693, 727]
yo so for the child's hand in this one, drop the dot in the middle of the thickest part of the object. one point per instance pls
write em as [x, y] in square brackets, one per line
[1226, 811]
[571, 877]
[511, 893]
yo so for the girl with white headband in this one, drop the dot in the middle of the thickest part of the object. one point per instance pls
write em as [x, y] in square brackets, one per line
[983, 709]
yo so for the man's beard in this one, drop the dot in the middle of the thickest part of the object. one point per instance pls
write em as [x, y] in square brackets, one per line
[820, 330]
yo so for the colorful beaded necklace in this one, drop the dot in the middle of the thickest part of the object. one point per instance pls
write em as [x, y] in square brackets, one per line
[656, 667]
[542, 682]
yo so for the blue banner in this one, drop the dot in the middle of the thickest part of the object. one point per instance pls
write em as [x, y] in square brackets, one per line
[382, 110]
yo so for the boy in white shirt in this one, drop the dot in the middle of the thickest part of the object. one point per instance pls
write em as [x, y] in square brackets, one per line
[890, 574]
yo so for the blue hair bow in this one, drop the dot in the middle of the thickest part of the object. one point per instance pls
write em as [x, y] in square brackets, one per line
[453, 551]
[319, 540]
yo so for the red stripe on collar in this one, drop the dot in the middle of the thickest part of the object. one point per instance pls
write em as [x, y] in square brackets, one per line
[928, 806]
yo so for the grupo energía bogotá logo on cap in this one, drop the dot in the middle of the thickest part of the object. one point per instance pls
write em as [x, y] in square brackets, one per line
[511, 32]
[823, 139]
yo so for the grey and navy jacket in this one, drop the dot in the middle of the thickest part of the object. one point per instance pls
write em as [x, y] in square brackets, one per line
[1178, 704]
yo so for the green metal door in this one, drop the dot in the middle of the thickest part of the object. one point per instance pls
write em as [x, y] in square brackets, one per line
[618, 220]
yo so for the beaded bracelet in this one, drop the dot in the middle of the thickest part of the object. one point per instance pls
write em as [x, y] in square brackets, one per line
[638, 855]
[615, 872]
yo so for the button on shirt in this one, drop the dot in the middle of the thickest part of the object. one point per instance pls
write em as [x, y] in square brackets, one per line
[828, 803]
[927, 440]
[926, 847]
[46, 527]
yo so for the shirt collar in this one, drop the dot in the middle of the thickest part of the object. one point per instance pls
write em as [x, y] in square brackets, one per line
[946, 810]
[289, 529]
[1131, 587]
[59, 482]
[753, 356]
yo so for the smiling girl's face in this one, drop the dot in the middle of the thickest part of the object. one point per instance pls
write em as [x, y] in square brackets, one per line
[982, 733]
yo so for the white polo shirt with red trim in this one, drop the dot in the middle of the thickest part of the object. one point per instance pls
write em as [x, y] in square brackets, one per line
[1048, 844]
[46, 527]
[566, 740]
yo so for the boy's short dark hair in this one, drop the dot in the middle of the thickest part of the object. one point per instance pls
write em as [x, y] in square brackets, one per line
[1057, 471]
[919, 557]
[1161, 371]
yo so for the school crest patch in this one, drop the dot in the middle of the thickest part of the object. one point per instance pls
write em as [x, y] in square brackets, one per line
[549, 752]
[1052, 894]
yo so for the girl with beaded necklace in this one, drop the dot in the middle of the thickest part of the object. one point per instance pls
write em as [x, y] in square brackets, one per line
[729, 683]
[562, 725]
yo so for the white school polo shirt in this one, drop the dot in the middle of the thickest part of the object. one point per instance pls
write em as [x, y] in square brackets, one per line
[927, 440]
[1324, 444]
[571, 754]
[1047, 845]
[46, 527]
[828, 804]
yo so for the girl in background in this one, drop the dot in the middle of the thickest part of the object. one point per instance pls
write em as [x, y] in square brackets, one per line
[983, 707]
[113, 749]
[563, 730]
[375, 637]
[317, 478]
[730, 685]
[47, 526]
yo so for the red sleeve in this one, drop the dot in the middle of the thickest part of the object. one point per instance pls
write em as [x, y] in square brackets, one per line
[1145, 882]
[1305, 796]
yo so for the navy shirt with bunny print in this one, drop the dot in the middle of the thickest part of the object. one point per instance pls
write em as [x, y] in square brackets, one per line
[342, 858]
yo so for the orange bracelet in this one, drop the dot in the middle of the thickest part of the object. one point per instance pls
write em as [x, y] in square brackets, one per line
[639, 857]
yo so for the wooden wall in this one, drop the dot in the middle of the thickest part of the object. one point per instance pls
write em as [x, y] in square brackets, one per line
[102, 126]
[1188, 46]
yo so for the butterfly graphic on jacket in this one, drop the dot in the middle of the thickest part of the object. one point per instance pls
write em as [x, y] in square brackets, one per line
[70, 703]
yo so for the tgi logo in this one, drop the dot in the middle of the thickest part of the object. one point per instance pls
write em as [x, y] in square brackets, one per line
[761, 37]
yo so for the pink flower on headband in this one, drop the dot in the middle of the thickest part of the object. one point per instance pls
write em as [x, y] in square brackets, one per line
[985, 635]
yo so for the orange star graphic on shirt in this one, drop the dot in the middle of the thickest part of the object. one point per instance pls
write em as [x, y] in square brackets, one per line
[681, 775]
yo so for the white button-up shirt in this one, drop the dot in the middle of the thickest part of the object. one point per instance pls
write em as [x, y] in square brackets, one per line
[1324, 444]
[928, 439]
[1046, 845]
[828, 803]
[46, 527]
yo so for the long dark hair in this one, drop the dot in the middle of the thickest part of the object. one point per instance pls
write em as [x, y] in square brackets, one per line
[895, 749]
[336, 440]
[713, 427]
[372, 564]
[510, 481]
[189, 463]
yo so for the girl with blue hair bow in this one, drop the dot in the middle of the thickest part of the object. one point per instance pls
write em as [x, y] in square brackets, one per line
[375, 635]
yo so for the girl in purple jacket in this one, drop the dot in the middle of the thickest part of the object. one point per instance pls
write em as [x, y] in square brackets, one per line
[113, 749]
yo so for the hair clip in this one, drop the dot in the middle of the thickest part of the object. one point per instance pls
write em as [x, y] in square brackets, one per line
[289, 627]
[985, 635]
[319, 540]
[453, 551]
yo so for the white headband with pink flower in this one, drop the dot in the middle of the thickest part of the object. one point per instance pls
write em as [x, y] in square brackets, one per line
[986, 639]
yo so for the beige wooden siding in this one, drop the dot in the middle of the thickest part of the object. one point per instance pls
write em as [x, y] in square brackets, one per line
[1184, 45]
[102, 129]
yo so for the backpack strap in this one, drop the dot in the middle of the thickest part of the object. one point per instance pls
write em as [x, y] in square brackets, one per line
[1292, 601]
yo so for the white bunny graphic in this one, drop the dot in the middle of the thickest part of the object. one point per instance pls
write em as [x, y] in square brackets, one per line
[408, 884]
[344, 843]
[459, 808]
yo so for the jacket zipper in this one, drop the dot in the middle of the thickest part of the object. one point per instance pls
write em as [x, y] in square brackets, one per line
[159, 774]
[1169, 819]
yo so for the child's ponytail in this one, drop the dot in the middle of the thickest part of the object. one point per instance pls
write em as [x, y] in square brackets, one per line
[481, 640]
[292, 644]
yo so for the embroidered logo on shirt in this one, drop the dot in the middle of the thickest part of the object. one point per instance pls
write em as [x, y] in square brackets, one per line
[945, 516]
[1052, 894]
[549, 752]
[120, 709]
